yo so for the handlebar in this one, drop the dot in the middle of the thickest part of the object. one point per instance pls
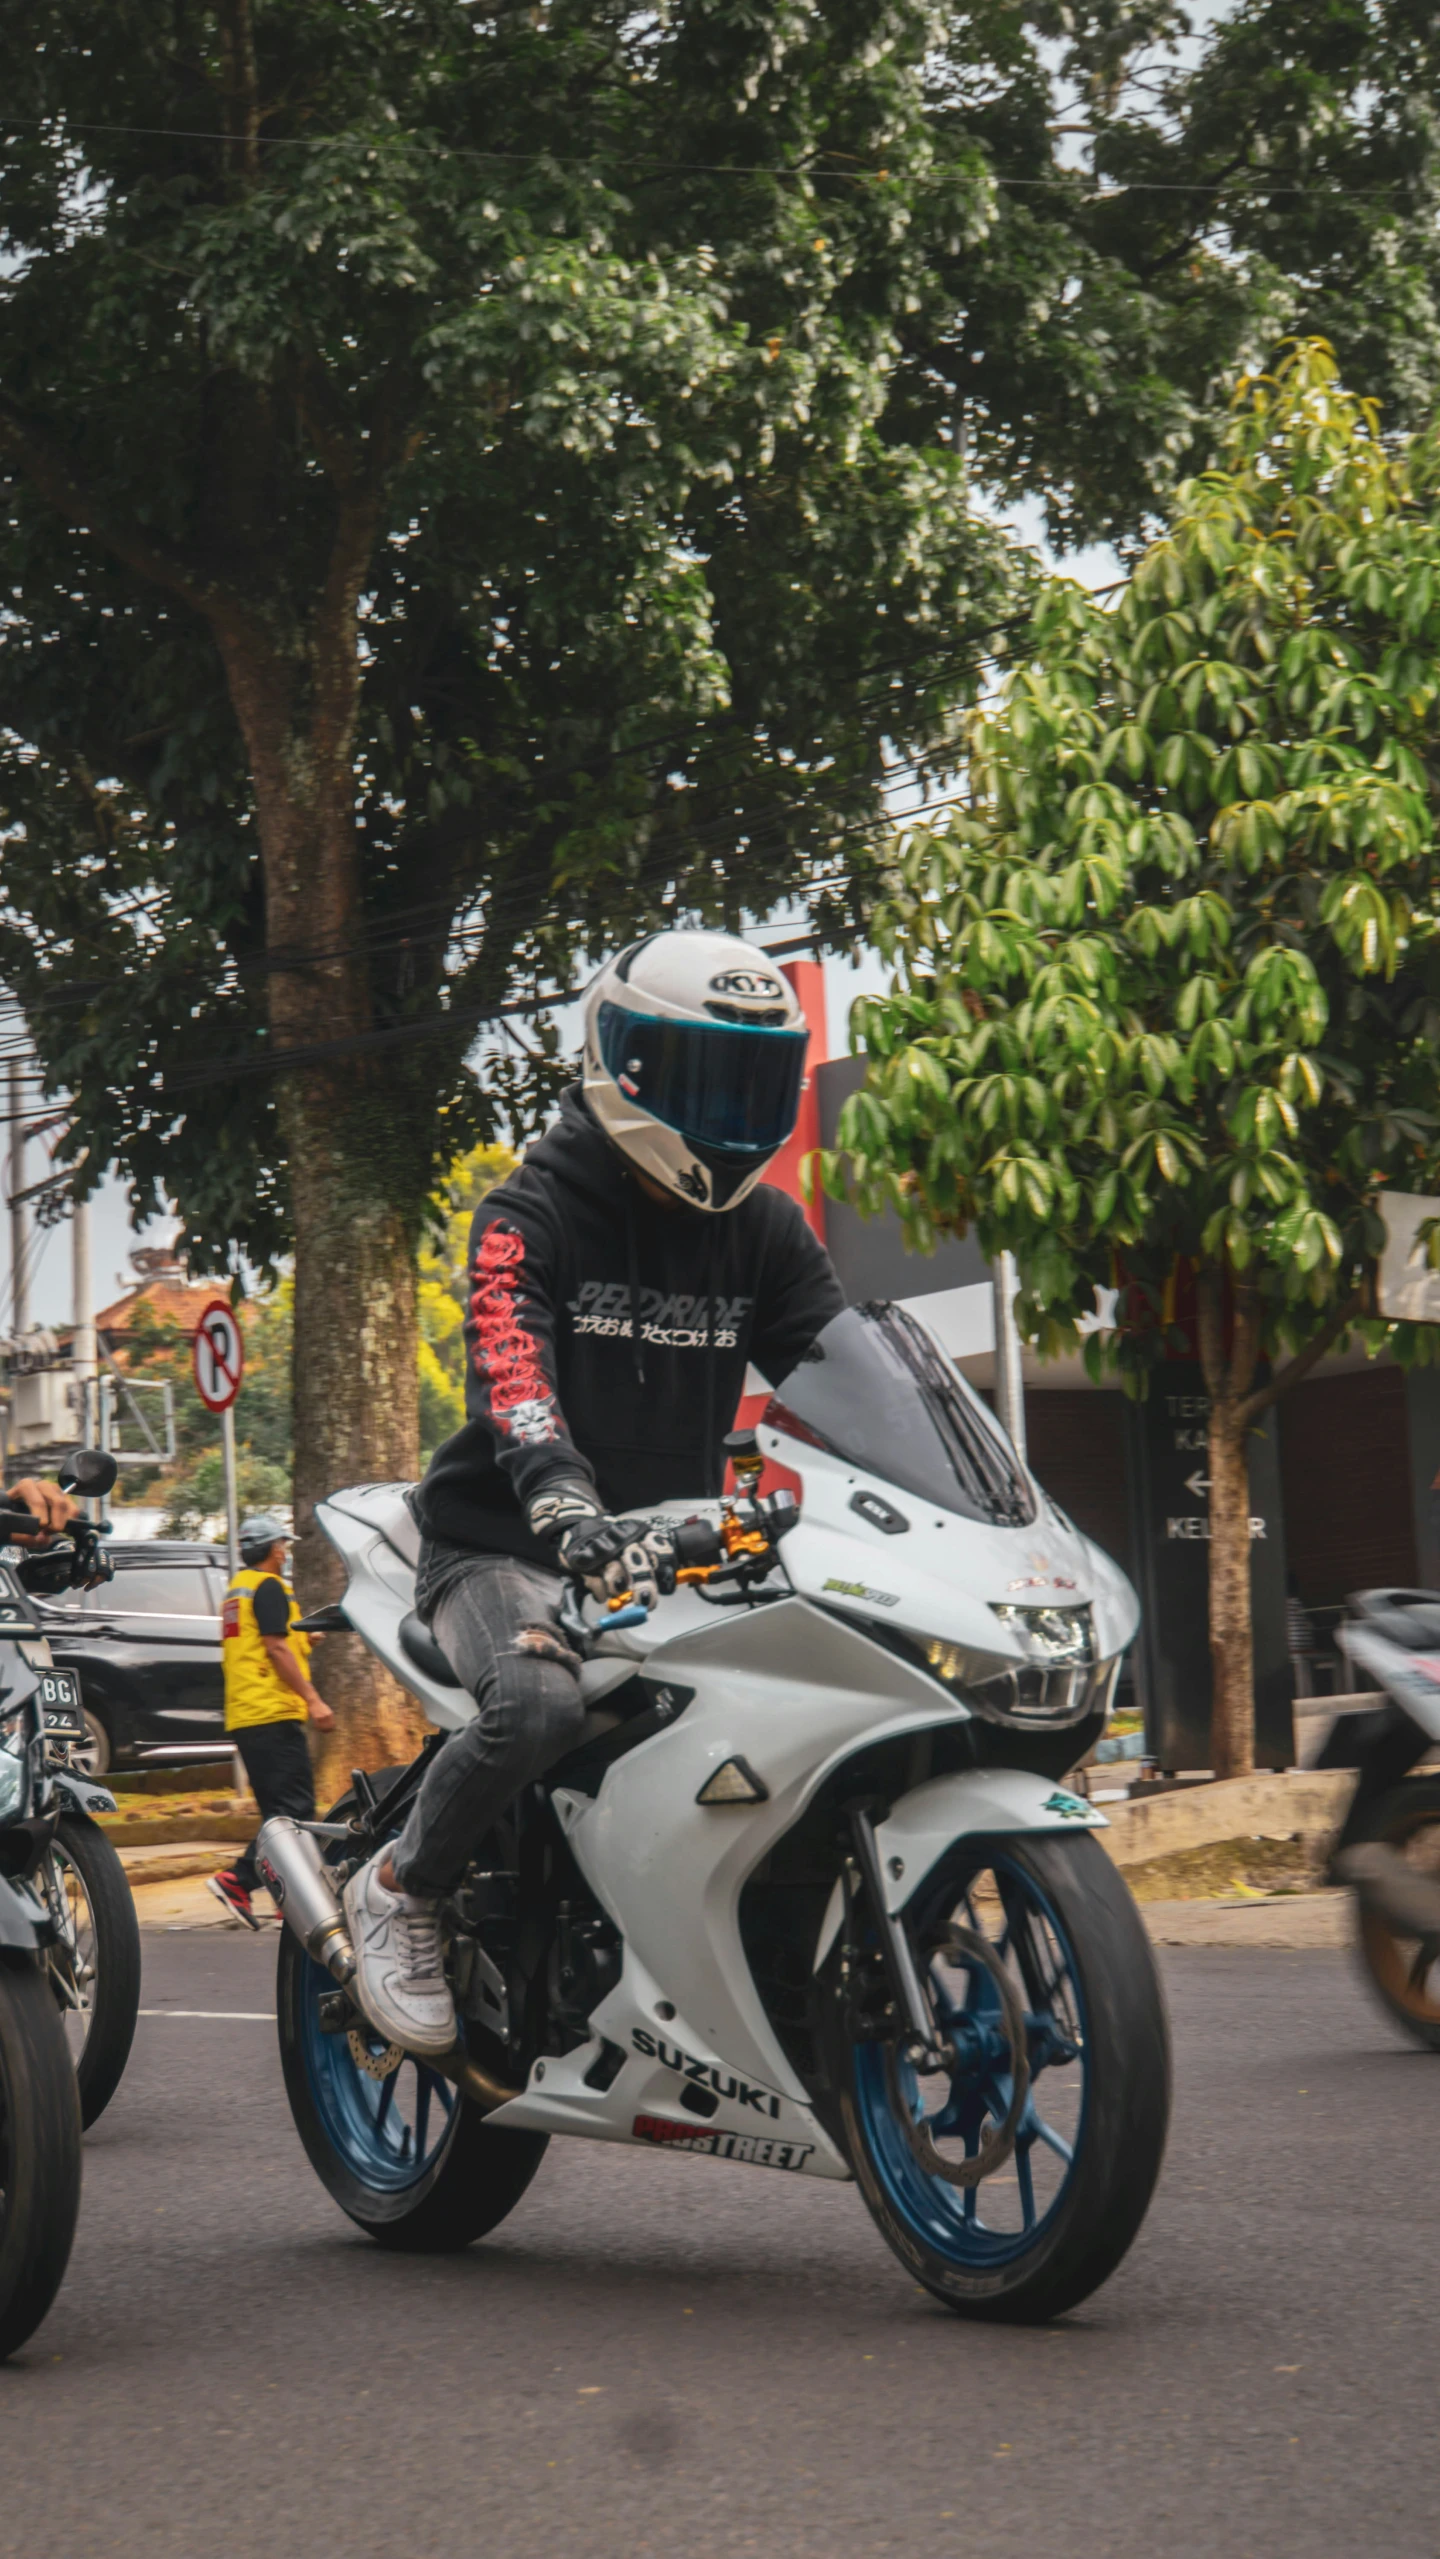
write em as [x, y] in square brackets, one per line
[739, 1547]
[72, 1558]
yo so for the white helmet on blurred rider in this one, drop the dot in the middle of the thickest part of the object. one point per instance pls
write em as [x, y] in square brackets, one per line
[695, 1062]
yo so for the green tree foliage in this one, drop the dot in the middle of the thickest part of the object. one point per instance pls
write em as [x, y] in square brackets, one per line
[480, 479]
[617, 381]
[158, 1351]
[1169, 981]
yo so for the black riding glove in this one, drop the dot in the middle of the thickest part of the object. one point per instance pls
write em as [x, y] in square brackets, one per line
[612, 1557]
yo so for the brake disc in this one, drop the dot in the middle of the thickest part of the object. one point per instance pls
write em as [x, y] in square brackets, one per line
[381, 2065]
[995, 2146]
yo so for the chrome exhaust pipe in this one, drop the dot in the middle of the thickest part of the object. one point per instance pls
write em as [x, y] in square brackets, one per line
[473, 2082]
[299, 1883]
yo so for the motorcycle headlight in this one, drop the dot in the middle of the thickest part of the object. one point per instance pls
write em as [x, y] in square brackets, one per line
[1061, 1638]
[1060, 1683]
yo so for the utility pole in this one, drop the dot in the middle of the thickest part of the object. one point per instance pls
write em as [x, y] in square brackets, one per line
[82, 1312]
[1009, 1382]
[19, 1275]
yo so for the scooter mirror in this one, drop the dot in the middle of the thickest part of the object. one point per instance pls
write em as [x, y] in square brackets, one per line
[88, 1471]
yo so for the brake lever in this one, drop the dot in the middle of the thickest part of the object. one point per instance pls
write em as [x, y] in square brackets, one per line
[623, 1610]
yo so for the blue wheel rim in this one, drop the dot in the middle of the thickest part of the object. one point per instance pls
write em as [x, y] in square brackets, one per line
[388, 2132]
[951, 2221]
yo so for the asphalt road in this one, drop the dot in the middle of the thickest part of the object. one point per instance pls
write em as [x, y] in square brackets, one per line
[678, 2356]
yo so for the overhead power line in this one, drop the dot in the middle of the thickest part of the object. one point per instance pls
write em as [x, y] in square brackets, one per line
[393, 928]
[798, 174]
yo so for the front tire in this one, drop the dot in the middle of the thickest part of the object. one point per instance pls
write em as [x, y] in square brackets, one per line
[39, 2151]
[403, 2153]
[95, 1969]
[1030, 2241]
[1407, 1986]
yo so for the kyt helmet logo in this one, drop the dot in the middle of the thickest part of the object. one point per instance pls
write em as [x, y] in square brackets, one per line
[744, 982]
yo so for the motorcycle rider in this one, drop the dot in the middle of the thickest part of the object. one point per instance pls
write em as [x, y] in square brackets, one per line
[620, 1281]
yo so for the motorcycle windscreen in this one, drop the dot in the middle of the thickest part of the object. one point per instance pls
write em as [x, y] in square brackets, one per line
[874, 1389]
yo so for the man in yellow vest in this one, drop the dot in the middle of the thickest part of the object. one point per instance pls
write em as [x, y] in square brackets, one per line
[269, 1695]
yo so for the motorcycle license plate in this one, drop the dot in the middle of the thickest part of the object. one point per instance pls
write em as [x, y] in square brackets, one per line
[60, 1697]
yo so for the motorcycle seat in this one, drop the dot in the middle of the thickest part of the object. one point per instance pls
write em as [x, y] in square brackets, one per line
[419, 1646]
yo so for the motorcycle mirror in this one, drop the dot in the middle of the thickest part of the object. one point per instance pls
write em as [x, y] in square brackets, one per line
[88, 1471]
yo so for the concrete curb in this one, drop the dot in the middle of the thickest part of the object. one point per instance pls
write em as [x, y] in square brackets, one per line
[1277, 1805]
[173, 1865]
[127, 1830]
[1274, 1806]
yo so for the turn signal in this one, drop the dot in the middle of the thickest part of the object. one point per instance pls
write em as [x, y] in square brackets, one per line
[734, 1783]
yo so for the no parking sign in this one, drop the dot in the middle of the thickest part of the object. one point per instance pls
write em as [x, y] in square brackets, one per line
[218, 1354]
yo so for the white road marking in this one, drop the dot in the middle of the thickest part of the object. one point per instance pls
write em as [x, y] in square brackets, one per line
[245, 2016]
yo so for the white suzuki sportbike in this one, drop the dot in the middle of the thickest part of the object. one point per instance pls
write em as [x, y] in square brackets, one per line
[809, 1894]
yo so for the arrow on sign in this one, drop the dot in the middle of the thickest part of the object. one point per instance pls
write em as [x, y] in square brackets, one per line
[1197, 1484]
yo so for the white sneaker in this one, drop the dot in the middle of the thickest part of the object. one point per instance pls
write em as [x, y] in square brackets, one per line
[399, 1980]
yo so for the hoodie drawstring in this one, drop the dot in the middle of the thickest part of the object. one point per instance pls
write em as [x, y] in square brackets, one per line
[632, 1257]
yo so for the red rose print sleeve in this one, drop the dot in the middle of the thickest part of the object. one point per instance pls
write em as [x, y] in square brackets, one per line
[510, 1355]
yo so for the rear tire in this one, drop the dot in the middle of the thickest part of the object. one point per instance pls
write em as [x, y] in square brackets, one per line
[1068, 2226]
[39, 2151]
[1392, 1963]
[104, 2030]
[375, 2151]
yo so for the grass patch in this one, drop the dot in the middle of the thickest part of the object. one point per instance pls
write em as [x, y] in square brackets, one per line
[1211, 1872]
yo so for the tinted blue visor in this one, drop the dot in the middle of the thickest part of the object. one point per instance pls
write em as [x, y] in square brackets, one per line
[729, 1088]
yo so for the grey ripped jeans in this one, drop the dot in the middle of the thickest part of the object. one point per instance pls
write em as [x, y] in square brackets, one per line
[494, 1618]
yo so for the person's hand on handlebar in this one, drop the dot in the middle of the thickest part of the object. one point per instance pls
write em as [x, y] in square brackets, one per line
[52, 1509]
[612, 1557]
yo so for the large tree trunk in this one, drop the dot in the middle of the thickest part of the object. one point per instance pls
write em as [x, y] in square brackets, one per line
[1232, 1663]
[352, 1172]
[355, 1396]
[1229, 1374]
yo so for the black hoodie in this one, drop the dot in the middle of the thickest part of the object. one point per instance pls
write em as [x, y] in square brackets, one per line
[556, 1385]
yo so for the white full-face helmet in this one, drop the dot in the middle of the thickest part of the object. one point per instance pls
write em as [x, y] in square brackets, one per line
[695, 1062]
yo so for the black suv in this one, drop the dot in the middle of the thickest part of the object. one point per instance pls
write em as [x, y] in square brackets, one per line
[147, 1648]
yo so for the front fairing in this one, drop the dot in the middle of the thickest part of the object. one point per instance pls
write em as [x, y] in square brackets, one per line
[941, 1577]
[916, 1514]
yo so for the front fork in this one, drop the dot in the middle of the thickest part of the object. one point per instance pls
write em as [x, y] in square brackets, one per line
[911, 2031]
[923, 2041]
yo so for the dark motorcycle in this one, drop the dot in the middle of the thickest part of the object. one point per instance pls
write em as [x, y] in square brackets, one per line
[49, 1838]
[1387, 1852]
[41, 1958]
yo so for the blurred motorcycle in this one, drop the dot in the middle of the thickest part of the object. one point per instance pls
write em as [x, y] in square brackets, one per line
[1387, 1851]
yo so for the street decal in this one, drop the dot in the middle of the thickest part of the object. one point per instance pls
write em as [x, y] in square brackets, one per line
[753, 2148]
